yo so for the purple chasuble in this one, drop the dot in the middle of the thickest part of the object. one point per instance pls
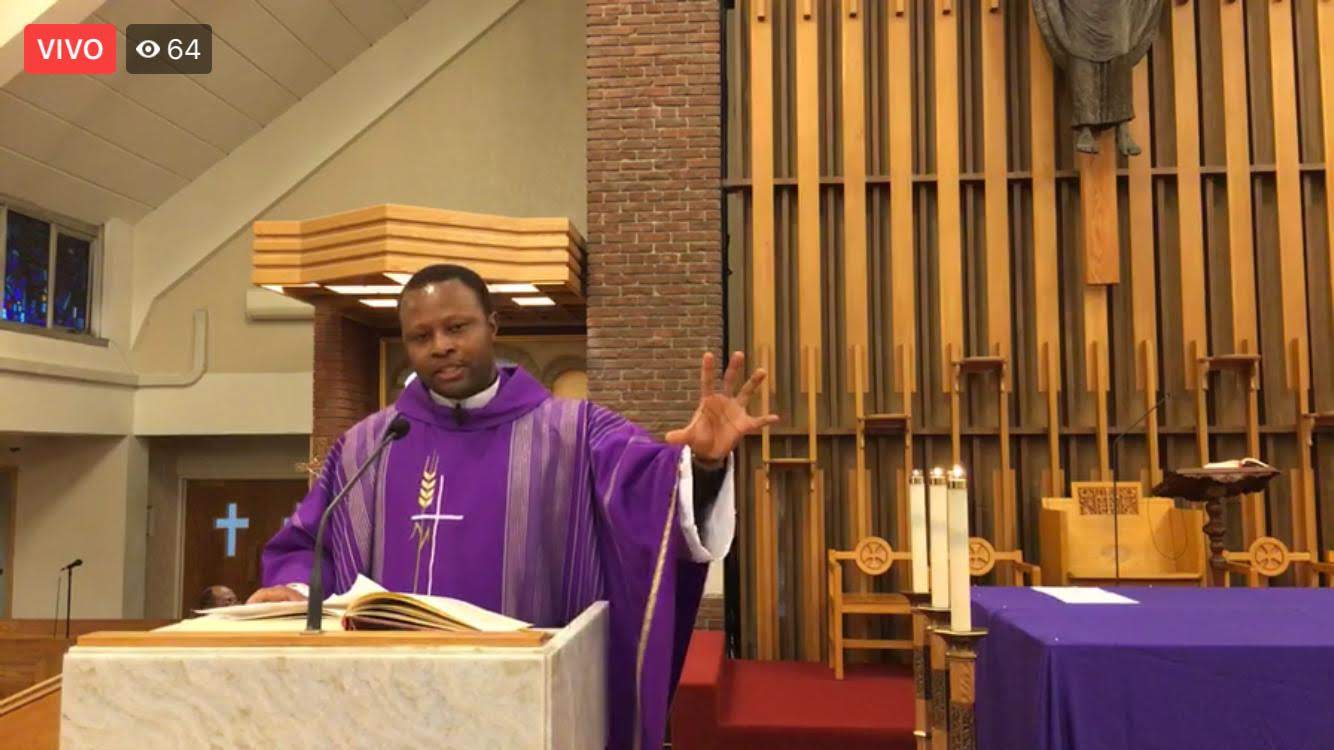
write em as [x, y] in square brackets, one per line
[531, 506]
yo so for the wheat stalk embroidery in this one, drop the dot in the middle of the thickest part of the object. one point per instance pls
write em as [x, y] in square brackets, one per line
[420, 531]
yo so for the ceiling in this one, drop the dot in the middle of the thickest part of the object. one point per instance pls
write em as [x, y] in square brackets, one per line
[97, 147]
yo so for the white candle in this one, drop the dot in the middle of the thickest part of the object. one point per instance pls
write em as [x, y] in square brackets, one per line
[917, 532]
[961, 605]
[940, 580]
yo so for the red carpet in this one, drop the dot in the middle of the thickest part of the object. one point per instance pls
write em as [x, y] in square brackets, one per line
[752, 705]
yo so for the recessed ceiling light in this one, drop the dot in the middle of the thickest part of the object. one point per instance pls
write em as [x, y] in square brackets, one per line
[399, 278]
[364, 288]
[512, 288]
[379, 302]
[534, 301]
[279, 287]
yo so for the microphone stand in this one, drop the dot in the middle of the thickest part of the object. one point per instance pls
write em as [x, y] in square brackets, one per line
[315, 601]
[69, 596]
[55, 616]
[1116, 498]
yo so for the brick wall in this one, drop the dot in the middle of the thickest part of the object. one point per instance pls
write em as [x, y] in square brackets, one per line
[711, 615]
[346, 378]
[654, 204]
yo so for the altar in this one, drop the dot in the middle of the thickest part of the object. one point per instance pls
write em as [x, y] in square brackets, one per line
[1181, 668]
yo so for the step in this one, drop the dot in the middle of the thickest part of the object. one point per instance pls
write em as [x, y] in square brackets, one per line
[800, 706]
[979, 364]
[789, 463]
[697, 705]
[1241, 362]
[886, 423]
[1322, 421]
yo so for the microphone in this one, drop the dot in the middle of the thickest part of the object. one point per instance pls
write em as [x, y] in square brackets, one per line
[315, 605]
[68, 570]
[460, 414]
[1116, 500]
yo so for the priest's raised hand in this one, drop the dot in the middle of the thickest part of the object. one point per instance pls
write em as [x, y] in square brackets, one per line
[721, 419]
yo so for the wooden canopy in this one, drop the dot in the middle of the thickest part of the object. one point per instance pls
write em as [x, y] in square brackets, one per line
[358, 260]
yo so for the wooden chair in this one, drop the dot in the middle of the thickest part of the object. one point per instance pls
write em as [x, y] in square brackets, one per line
[1268, 557]
[874, 557]
[1160, 544]
[983, 558]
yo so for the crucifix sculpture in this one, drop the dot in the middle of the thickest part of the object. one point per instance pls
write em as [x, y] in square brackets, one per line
[1097, 43]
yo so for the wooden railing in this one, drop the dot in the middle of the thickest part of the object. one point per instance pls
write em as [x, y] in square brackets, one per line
[30, 719]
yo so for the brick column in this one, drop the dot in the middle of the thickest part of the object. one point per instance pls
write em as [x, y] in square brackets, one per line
[346, 377]
[655, 295]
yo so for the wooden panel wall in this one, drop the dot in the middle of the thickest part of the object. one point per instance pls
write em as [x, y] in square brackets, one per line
[946, 175]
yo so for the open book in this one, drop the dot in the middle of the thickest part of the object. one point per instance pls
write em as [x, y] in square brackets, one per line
[368, 606]
[1238, 463]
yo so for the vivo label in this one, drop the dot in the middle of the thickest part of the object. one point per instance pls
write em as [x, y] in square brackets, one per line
[69, 48]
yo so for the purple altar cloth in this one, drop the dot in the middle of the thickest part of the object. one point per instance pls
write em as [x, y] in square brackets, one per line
[1224, 669]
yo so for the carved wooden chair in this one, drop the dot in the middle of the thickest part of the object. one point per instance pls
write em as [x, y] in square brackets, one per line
[1160, 544]
[983, 557]
[874, 557]
[1268, 557]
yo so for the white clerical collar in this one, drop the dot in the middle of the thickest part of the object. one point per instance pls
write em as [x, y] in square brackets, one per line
[475, 401]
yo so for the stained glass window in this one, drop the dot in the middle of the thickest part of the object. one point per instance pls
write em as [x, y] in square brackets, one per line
[27, 257]
[72, 271]
[42, 288]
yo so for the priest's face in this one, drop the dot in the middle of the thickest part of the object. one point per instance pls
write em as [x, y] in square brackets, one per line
[449, 338]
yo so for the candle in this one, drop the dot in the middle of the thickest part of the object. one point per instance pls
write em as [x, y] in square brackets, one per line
[940, 581]
[917, 532]
[961, 605]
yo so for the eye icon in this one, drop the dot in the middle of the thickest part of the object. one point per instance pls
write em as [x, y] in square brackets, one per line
[147, 49]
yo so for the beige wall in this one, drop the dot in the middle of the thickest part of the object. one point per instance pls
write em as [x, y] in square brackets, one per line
[80, 497]
[174, 460]
[36, 402]
[500, 129]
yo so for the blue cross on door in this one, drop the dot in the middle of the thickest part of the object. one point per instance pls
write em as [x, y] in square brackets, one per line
[232, 524]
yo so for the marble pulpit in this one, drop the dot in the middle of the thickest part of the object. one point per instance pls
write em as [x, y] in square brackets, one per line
[357, 690]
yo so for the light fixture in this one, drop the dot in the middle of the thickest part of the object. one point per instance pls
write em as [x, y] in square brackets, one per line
[379, 302]
[534, 301]
[279, 287]
[512, 288]
[398, 278]
[364, 288]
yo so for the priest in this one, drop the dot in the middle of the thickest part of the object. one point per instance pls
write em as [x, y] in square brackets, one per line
[526, 504]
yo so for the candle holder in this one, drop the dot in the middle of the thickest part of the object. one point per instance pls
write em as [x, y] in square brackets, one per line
[921, 660]
[1212, 486]
[961, 666]
[934, 678]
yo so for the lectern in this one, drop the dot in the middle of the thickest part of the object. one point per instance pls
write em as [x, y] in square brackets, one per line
[170, 690]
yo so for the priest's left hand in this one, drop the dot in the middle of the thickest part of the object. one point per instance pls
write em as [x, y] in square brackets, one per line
[721, 419]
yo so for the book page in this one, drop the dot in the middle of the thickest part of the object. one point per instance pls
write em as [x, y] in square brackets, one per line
[435, 612]
[214, 624]
[1083, 595]
[332, 605]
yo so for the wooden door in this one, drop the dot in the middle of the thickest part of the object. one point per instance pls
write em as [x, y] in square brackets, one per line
[227, 523]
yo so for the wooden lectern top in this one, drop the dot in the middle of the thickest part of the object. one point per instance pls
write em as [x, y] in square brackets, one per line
[1200, 484]
[326, 639]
